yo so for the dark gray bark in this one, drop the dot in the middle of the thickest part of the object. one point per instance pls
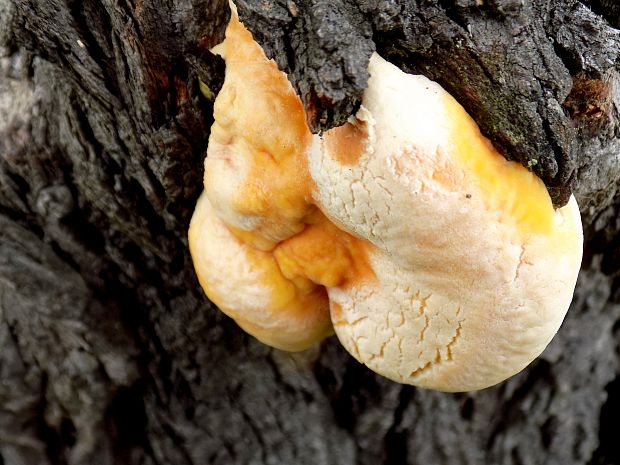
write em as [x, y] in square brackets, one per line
[109, 351]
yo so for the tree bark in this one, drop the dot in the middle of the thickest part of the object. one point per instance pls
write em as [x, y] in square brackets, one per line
[109, 351]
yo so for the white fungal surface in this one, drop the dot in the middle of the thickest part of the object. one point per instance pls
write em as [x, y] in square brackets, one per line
[463, 299]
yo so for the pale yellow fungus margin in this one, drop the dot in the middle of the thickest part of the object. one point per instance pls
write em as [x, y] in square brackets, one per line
[436, 262]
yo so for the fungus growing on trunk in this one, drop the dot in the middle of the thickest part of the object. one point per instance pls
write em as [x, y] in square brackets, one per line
[439, 263]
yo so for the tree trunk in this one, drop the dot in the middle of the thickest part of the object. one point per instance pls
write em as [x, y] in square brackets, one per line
[109, 351]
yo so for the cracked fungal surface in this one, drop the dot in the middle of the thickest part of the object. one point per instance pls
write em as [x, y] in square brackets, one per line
[404, 228]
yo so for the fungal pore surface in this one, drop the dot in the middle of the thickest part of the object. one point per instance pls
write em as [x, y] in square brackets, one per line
[436, 261]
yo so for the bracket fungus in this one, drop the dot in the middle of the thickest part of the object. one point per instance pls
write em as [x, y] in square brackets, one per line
[435, 261]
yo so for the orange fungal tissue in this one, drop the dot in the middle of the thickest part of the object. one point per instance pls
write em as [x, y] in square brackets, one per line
[434, 260]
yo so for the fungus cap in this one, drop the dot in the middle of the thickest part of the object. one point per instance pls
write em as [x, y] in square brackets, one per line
[474, 268]
[255, 197]
[439, 263]
[255, 168]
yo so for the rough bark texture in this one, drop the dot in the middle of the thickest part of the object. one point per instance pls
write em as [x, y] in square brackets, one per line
[110, 353]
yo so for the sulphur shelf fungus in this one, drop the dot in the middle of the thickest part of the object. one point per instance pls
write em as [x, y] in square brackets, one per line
[435, 261]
